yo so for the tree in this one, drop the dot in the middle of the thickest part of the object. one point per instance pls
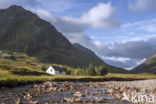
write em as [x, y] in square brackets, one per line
[91, 70]
[43, 68]
[68, 70]
[78, 72]
[102, 70]
[97, 71]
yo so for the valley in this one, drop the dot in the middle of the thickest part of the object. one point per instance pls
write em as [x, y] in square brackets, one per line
[30, 45]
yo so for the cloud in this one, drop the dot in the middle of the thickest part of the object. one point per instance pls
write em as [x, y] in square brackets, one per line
[143, 26]
[120, 59]
[58, 6]
[128, 64]
[129, 54]
[100, 16]
[72, 31]
[125, 54]
[136, 42]
[132, 49]
[7, 3]
[142, 5]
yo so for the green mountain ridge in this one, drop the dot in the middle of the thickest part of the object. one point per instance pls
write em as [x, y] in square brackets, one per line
[23, 31]
[148, 66]
[87, 51]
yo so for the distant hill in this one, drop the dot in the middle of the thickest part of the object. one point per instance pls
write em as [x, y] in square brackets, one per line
[87, 51]
[23, 31]
[90, 53]
[149, 66]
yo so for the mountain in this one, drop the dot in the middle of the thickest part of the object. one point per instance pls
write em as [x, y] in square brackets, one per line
[23, 31]
[87, 51]
[148, 66]
[90, 53]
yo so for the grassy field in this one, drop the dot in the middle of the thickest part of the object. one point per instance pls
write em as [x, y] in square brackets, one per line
[11, 80]
[18, 69]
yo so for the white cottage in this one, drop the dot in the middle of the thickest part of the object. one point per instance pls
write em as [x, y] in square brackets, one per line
[53, 70]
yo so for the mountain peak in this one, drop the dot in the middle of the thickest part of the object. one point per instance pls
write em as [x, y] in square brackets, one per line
[15, 7]
[16, 11]
[23, 31]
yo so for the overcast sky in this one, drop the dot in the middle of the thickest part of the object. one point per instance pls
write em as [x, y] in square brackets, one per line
[121, 32]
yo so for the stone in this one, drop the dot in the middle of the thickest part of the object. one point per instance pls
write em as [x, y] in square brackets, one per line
[68, 99]
[17, 101]
[78, 94]
[78, 100]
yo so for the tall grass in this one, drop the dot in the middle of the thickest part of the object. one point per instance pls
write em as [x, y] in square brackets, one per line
[24, 69]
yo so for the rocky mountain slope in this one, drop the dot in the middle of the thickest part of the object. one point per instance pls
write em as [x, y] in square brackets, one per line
[87, 51]
[148, 66]
[23, 31]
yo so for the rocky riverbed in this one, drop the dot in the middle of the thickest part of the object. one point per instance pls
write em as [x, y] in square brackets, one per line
[138, 92]
[74, 93]
[58, 93]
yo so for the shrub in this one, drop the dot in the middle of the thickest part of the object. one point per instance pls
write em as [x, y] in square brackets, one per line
[11, 53]
[5, 67]
[30, 63]
[43, 68]
[91, 70]
[68, 71]
[102, 71]
[97, 71]
[25, 71]
[10, 57]
[79, 72]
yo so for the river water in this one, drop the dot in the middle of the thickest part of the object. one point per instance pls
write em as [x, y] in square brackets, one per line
[58, 93]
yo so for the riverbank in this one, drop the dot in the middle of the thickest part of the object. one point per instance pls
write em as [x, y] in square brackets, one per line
[139, 92]
[18, 80]
[18, 69]
[111, 92]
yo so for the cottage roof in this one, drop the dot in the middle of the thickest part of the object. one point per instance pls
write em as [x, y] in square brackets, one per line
[57, 68]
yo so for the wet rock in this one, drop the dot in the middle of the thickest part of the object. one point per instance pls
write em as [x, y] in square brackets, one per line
[35, 86]
[100, 100]
[17, 101]
[86, 92]
[33, 102]
[55, 88]
[46, 103]
[5, 99]
[78, 100]
[68, 100]
[111, 90]
[78, 94]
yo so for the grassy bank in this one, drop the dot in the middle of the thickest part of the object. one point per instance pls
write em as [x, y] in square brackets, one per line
[19, 69]
[9, 80]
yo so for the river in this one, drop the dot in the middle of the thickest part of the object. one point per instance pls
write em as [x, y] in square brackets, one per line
[58, 93]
